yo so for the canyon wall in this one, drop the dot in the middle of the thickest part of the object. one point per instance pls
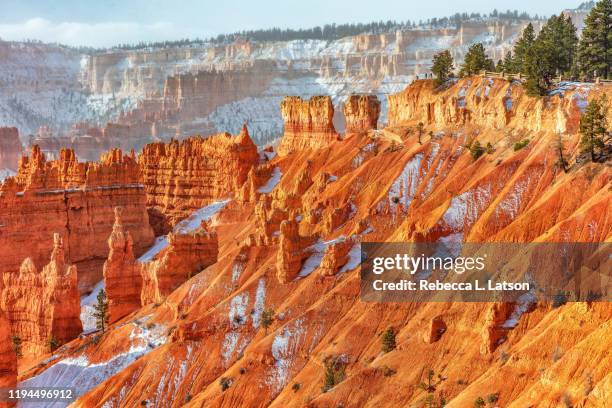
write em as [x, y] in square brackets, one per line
[43, 307]
[283, 301]
[489, 103]
[308, 124]
[8, 359]
[181, 177]
[75, 200]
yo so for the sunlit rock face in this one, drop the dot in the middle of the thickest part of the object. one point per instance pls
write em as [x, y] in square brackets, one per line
[42, 306]
[361, 113]
[76, 200]
[181, 177]
[308, 124]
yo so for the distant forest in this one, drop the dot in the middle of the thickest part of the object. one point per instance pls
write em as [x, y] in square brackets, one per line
[330, 31]
[336, 31]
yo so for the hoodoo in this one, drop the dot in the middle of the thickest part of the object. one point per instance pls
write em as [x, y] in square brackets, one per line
[361, 113]
[43, 307]
[186, 255]
[76, 200]
[181, 177]
[122, 278]
[308, 124]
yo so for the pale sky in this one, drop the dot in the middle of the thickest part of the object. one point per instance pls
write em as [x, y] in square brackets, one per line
[101, 23]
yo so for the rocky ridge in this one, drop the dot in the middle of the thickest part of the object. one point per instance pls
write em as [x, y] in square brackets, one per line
[293, 247]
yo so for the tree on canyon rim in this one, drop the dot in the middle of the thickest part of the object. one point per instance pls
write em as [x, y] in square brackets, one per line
[101, 311]
[476, 60]
[595, 48]
[593, 126]
[552, 53]
[442, 67]
[521, 48]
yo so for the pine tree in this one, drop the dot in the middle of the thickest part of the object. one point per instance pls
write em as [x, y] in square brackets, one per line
[552, 53]
[508, 66]
[595, 49]
[53, 343]
[593, 126]
[499, 67]
[420, 130]
[476, 60]
[267, 318]
[521, 48]
[101, 311]
[442, 67]
[388, 340]
[16, 340]
[561, 160]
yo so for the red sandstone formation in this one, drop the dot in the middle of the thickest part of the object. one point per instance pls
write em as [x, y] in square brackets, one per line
[216, 348]
[292, 252]
[181, 177]
[361, 113]
[121, 272]
[335, 257]
[75, 200]
[187, 255]
[10, 148]
[45, 305]
[308, 124]
[8, 359]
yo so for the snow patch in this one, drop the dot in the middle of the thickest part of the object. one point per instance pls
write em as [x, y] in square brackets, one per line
[272, 183]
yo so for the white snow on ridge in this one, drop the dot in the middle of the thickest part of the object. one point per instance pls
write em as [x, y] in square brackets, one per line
[87, 308]
[273, 182]
[5, 173]
[82, 375]
[186, 226]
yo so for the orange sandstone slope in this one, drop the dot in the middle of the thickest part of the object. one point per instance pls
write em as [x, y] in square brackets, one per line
[292, 245]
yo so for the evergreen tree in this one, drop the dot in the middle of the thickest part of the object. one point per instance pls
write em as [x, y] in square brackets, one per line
[476, 60]
[593, 126]
[508, 64]
[388, 340]
[552, 53]
[499, 67]
[53, 343]
[101, 311]
[595, 49]
[16, 340]
[521, 48]
[267, 318]
[420, 130]
[442, 67]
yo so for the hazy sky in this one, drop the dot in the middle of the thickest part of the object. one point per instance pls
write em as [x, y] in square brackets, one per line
[108, 22]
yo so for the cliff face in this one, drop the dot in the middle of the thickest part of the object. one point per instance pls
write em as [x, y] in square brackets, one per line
[187, 255]
[181, 177]
[10, 148]
[44, 305]
[488, 103]
[75, 200]
[295, 250]
[361, 113]
[121, 272]
[8, 359]
[308, 124]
